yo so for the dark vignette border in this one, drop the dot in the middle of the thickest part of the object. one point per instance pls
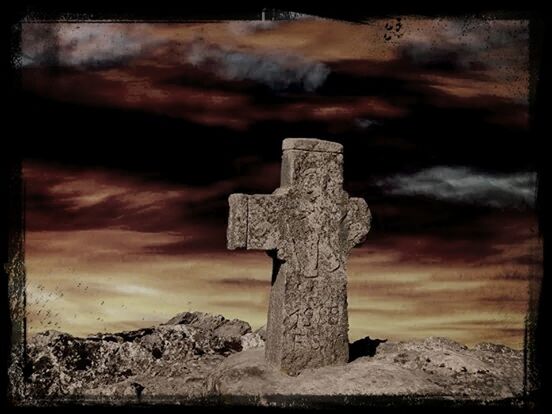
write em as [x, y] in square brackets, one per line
[536, 379]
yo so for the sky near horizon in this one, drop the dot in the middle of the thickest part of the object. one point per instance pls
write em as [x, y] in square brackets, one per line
[157, 123]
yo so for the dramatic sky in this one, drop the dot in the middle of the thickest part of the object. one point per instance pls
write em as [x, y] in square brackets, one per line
[140, 131]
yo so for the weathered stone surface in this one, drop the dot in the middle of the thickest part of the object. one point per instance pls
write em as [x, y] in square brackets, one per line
[262, 332]
[237, 221]
[435, 367]
[173, 356]
[187, 360]
[308, 226]
[311, 144]
[230, 331]
[251, 340]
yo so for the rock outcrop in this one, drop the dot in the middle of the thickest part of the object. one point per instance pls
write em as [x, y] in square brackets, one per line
[171, 358]
[196, 355]
[435, 367]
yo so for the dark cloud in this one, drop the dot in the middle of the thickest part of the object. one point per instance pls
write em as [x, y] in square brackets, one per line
[64, 198]
[413, 232]
[164, 132]
[466, 185]
[466, 45]
[530, 259]
[431, 250]
[390, 115]
[518, 275]
[442, 57]
[389, 110]
[279, 71]
[39, 45]
[366, 123]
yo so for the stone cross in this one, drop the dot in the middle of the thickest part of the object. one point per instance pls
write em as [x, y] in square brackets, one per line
[308, 226]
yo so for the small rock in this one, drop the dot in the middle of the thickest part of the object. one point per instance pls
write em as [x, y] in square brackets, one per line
[262, 332]
[251, 340]
[138, 388]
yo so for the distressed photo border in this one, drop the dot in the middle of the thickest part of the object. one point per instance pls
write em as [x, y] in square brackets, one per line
[536, 343]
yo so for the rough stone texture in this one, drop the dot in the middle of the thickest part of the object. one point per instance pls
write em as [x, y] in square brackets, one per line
[173, 358]
[435, 367]
[251, 340]
[262, 332]
[308, 226]
[186, 361]
[311, 144]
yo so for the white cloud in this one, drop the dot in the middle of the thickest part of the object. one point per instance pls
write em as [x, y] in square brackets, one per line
[462, 184]
[130, 289]
[74, 44]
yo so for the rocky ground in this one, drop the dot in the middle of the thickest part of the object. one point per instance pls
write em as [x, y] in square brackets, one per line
[198, 356]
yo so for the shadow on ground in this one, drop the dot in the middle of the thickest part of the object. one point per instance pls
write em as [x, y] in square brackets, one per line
[364, 347]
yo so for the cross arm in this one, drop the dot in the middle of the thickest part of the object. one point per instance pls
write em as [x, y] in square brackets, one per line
[254, 221]
[358, 222]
